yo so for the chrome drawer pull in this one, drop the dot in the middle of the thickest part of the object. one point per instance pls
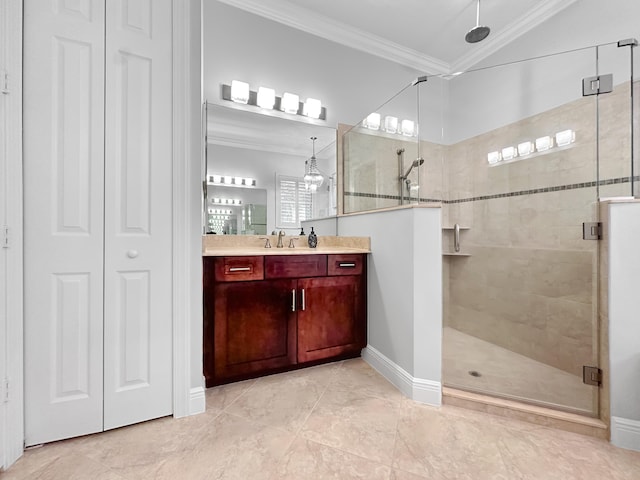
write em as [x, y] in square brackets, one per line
[346, 265]
[240, 269]
[293, 300]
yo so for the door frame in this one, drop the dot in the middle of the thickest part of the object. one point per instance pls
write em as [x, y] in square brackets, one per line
[188, 384]
[11, 322]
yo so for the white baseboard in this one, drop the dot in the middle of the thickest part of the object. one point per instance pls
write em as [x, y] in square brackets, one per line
[625, 433]
[197, 401]
[418, 389]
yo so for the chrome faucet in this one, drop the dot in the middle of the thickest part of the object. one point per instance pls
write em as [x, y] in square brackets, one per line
[280, 235]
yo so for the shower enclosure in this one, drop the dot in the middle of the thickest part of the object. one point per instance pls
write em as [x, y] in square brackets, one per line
[518, 155]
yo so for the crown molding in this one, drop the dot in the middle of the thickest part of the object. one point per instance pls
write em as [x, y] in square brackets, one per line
[321, 26]
[531, 19]
[302, 19]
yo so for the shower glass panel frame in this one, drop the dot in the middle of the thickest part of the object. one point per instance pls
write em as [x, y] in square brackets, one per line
[520, 284]
[384, 165]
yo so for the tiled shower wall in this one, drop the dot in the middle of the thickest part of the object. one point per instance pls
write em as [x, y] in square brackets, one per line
[530, 282]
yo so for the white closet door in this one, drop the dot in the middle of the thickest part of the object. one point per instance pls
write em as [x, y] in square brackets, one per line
[138, 326]
[63, 207]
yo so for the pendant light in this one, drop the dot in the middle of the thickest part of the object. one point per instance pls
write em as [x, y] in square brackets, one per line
[312, 177]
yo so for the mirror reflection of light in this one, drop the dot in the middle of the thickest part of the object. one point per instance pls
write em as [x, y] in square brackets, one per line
[408, 128]
[390, 124]
[508, 153]
[525, 148]
[565, 138]
[544, 143]
[372, 122]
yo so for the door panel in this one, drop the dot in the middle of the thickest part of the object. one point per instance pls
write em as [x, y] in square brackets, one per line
[63, 202]
[138, 309]
[254, 328]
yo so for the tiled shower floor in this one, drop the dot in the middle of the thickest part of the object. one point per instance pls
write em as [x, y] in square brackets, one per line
[505, 373]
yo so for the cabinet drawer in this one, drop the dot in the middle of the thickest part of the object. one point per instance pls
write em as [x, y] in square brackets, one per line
[295, 266]
[345, 264]
[238, 269]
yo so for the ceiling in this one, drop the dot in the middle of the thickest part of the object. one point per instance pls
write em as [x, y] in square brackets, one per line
[427, 35]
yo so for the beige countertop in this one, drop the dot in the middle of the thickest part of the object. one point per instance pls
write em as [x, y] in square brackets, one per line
[250, 245]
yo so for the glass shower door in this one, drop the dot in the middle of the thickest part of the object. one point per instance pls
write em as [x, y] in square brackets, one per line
[521, 310]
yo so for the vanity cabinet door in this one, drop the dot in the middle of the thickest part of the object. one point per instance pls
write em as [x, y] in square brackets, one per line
[331, 317]
[254, 328]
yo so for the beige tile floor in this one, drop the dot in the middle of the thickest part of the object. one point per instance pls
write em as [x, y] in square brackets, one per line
[506, 373]
[339, 421]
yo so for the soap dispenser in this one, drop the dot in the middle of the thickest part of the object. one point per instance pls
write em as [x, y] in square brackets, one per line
[313, 239]
[302, 234]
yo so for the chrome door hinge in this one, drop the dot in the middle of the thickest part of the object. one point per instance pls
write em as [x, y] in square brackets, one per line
[5, 236]
[591, 230]
[591, 376]
[597, 85]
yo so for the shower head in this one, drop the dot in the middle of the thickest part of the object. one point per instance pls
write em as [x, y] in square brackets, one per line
[479, 32]
[416, 163]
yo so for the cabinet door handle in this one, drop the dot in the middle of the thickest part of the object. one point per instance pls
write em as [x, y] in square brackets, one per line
[239, 269]
[293, 300]
[346, 265]
[303, 302]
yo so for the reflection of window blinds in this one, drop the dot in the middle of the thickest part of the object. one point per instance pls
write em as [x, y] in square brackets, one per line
[294, 202]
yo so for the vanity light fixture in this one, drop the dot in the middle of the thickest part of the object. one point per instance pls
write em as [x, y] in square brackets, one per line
[312, 108]
[226, 201]
[240, 92]
[312, 177]
[266, 98]
[390, 124]
[372, 122]
[544, 143]
[525, 148]
[493, 157]
[231, 181]
[509, 153]
[541, 145]
[290, 103]
[565, 138]
[408, 128]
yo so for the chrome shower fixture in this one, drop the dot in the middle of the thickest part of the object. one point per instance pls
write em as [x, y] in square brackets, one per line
[416, 163]
[479, 32]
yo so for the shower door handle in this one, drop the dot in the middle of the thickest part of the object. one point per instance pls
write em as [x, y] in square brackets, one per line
[456, 237]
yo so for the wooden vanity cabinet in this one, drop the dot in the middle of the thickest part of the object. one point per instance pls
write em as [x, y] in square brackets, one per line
[275, 313]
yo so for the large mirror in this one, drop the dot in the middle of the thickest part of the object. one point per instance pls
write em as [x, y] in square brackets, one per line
[255, 167]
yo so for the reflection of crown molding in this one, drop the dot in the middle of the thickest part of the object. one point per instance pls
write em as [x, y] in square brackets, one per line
[257, 145]
[321, 26]
[531, 19]
[247, 144]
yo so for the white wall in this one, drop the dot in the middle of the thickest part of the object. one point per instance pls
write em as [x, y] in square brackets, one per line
[489, 99]
[242, 46]
[404, 292]
[624, 325]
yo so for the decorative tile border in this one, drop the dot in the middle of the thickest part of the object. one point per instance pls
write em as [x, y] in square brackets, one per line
[572, 186]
